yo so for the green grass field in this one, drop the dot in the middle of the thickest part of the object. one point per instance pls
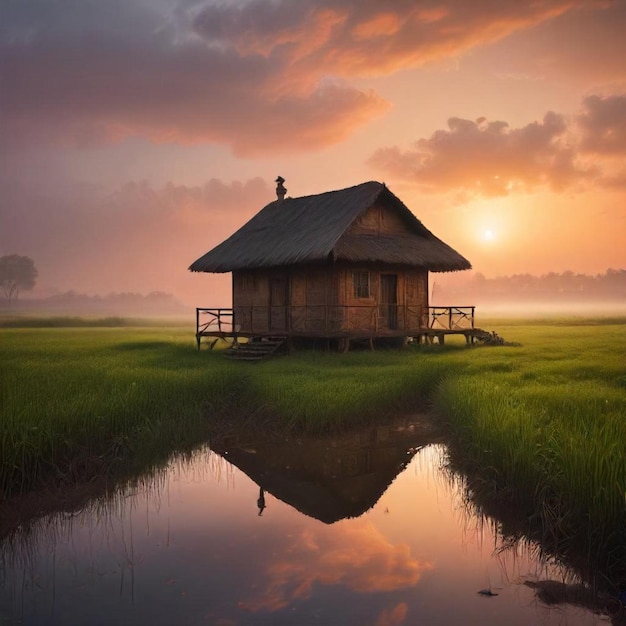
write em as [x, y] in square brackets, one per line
[76, 401]
[545, 424]
[544, 417]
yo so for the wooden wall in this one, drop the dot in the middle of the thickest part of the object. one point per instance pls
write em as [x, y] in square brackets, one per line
[309, 295]
[250, 300]
[369, 313]
[378, 220]
[313, 296]
[321, 299]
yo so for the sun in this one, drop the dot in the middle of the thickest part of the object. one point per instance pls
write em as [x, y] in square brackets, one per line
[489, 235]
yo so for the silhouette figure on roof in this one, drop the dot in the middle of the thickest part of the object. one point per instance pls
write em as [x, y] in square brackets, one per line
[261, 501]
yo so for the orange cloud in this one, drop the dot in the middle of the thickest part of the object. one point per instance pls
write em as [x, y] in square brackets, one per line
[60, 86]
[488, 158]
[603, 123]
[381, 25]
[585, 47]
[368, 38]
[355, 555]
[262, 77]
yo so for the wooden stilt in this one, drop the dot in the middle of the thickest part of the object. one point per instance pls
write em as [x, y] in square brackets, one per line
[344, 344]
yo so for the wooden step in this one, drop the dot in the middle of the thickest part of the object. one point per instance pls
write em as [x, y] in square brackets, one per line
[255, 349]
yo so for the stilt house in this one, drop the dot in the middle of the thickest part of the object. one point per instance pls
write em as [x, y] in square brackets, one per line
[351, 263]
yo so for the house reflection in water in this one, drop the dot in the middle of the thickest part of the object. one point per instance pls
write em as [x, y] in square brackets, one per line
[328, 478]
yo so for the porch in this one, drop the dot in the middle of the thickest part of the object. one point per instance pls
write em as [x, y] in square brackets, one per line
[346, 323]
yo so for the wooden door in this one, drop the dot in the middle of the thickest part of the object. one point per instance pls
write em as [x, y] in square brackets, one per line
[278, 303]
[389, 301]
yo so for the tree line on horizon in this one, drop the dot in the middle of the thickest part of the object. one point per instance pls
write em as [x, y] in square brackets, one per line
[18, 273]
[128, 303]
[609, 285]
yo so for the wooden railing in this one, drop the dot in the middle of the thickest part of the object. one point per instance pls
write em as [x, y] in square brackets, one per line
[214, 320]
[451, 317]
[215, 323]
[328, 320]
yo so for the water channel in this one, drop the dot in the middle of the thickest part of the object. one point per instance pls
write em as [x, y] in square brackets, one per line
[369, 528]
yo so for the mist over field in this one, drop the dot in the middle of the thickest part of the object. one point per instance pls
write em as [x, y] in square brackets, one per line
[528, 310]
[525, 295]
[521, 296]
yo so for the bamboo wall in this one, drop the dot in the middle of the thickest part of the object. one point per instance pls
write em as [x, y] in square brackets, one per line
[320, 300]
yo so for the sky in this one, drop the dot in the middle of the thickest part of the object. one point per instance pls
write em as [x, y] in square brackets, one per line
[135, 135]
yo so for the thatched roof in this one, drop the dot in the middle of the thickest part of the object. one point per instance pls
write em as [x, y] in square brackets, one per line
[312, 229]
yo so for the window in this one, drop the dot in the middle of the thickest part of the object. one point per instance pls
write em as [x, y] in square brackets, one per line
[361, 282]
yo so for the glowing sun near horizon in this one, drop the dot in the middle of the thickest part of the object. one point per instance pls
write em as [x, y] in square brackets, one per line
[489, 234]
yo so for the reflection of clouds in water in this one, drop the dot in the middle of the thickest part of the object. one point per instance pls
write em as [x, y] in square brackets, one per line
[354, 554]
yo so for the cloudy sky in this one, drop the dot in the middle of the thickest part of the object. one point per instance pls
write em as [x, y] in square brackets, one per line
[137, 134]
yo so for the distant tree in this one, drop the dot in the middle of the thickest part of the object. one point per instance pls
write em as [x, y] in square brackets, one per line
[17, 273]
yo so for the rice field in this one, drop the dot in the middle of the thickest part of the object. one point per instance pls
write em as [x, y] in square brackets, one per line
[543, 417]
[544, 425]
[75, 401]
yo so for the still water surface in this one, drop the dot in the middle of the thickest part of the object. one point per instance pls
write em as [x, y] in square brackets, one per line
[366, 529]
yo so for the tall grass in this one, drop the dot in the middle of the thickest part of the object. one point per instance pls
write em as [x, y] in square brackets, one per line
[548, 426]
[543, 419]
[76, 402]
[322, 392]
[79, 402]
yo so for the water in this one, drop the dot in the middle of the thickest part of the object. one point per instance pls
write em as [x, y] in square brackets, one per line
[368, 529]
